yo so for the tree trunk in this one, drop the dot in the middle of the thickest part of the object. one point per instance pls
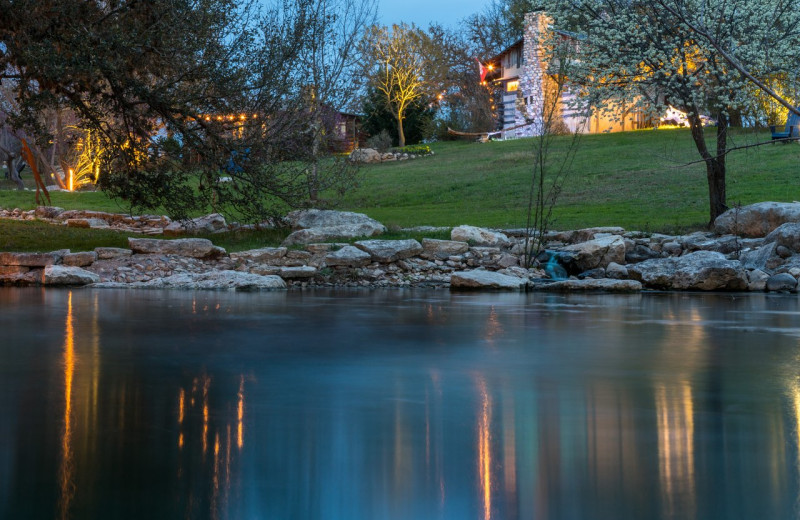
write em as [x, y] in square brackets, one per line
[13, 164]
[715, 165]
[401, 136]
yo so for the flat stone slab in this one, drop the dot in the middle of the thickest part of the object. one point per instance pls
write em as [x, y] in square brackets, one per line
[189, 247]
[265, 255]
[479, 279]
[386, 251]
[289, 273]
[479, 236]
[348, 256]
[68, 275]
[591, 285]
[110, 253]
[442, 249]
[31, 259]
[79, 259]
[215, 281]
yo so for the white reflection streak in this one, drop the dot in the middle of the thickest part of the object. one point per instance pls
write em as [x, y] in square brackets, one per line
[675, 411]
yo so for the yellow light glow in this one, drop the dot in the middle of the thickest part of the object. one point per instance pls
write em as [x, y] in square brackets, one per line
[66, 472]
[71, 185]
[490, 66]
[240, 423]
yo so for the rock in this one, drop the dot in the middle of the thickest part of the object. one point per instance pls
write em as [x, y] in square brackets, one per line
[781, 282]
[110, 253]
[591, 285]
[583, 235]
[480, 279]
[320, 218]
[640, 253]
[506, 260]
[758, 258]
[479, 236]
[79, 259]
[297, 272]
[94, 223]
[217, 280]
[442, 249]
[616, 271]
[757, 220]
[672, 248]
[48, 211]
[68, 275]
[707, 242]
[31, 259]
[593, 273]
[266, 255]
[786, 235]
[324, 234]
[266, 270]
[783, 252]
[598, 252]
[213, 223]
[757, 280]
[348, 256]
[189, 247]
[365, 155]
[386, 251]
[701, 270]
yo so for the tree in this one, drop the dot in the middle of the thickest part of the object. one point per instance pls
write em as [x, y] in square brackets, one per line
[219, 78]
[378, 117]
[398, 66]
[330, 59]
[642, 54]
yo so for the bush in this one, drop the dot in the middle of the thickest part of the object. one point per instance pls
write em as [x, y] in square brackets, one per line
[381, 141]
[416, 149]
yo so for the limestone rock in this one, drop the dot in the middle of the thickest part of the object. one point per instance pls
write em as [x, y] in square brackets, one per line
[94, 223]
[213, 223]
[265, 255]
[757, 220]
[479, 236]
[110, 253]
[348, 256]
[616, 271]
[48, 211]
[31, 259]
[480, 279]
[318, 218]
[217, 280]
[386, 251]
[781, 282]
[583, 235]
[68, 275]
[701, 270]
[757, 280]
[325, 234]
[640, 253]
[365, 155]
[591, 285]
[190, 247]
[79, 259]
[442, 249]
[786, 235]
[598, 252]
[758, 258]
[297, 272]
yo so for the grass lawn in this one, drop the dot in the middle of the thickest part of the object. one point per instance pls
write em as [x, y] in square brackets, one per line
[637, 180]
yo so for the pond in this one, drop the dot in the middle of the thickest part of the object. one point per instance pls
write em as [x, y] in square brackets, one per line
[398, 405]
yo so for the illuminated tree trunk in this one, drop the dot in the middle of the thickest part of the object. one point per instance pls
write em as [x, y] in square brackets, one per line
[401, 136]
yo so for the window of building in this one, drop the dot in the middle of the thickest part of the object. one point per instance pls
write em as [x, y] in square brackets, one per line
[512, 86]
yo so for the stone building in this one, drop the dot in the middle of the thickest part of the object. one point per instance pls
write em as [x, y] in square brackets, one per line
[522, 82]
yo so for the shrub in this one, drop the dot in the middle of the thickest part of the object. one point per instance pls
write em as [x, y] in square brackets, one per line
[381, 141]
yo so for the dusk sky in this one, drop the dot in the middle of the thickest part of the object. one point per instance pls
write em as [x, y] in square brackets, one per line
[423, 12]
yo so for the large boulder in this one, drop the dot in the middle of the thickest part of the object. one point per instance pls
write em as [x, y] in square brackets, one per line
[213, 223]
[319, 218]
[442, 249]
[330, 233]
[386, 251]
[480, 279]
[348, 256]
[265, 255]
[598, 252]
[68, 275]
[189, 247]
[757, 220]
[701, 270]
[479, 236]
[786, 235]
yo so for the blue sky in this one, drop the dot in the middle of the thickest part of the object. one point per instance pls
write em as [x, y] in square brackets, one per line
[423, 12]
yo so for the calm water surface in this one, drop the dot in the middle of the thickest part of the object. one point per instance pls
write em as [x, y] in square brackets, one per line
[398, 405]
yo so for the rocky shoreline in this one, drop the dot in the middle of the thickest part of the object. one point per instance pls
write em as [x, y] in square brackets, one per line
[754, 248]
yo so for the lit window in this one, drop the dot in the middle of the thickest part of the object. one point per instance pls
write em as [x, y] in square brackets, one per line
[512, 86]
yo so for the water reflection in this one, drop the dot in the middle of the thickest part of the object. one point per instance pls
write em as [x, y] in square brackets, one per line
[392, 405]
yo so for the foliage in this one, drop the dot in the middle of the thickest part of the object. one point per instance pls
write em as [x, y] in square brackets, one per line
[398, 65]
[378, 118]
[618, 62]
[418, 149]
[221, 78]
[381, 141]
